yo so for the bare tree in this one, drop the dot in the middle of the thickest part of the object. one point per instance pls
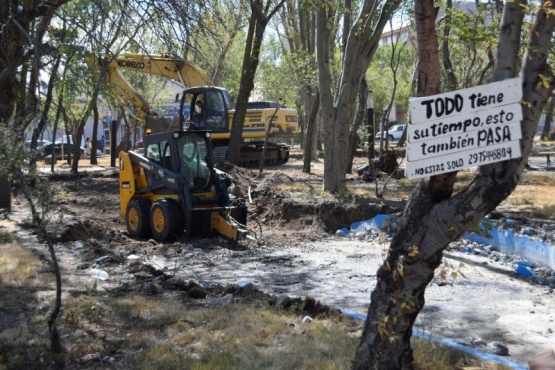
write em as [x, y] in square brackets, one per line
[338, 109]
[299, 21]
[451, 82]
[434, 216]
[18, 46]
[261, 14]
[359, 118]
[546, 131]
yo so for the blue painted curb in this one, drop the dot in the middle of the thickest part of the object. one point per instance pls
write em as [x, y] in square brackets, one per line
[449, 343]
[506, 241]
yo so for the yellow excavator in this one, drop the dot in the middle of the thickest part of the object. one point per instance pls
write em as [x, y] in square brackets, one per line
[216, 113]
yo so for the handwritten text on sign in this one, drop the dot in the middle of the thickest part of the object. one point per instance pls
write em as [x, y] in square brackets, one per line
[431, 108]
[464, 128]
[464, 123]
[458, 161]
[458, 143]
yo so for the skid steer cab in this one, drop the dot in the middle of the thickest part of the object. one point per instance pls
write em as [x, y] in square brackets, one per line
[173, 188]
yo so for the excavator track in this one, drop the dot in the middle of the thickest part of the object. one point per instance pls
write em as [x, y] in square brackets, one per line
[251, 152]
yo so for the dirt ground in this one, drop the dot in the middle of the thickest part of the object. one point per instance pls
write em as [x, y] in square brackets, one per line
[299, 255]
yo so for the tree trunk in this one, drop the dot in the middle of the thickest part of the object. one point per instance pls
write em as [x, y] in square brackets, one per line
[310, 136]
[510, 30]
[55, 129]
[428, 77]
[323, 34]
[16, 19]
[431, 220]
[447, 65]
[6, 193]
[260, 17]
[360, 115]
[546, 131]
[338, 113]
[96, 118]
[222, 56]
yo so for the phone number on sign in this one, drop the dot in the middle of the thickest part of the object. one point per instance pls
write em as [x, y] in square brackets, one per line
[464, 160]
[490, 155]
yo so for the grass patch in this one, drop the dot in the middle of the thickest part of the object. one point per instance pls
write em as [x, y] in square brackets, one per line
[130, 330]
[169, 332]
[6, 236]
[20, 325]
[429, 355]
[17, 265]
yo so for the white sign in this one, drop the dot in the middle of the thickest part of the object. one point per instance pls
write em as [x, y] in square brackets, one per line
[465, 128]
[464, 123]
[431, 108]
[458, 161]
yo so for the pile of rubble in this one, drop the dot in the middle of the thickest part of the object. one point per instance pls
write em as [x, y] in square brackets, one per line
[376, 230]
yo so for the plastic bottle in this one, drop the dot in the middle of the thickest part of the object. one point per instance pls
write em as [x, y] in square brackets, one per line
[99, 274]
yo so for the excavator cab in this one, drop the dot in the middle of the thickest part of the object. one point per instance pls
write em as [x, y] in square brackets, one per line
[212, 112]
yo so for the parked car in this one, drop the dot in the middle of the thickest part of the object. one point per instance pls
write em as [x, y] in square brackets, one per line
[98, 152]
[394, 133]
[40, 144]
[66, 139]
[56, 149]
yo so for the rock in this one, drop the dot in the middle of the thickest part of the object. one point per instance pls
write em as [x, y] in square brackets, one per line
[282, 301]
[219, 302]
[152, 288]
[478, 342]
[197, 292]
[498, 348]
[90, 357]
[193, 289]
[341, 233]
[176, 282]
[160, 279]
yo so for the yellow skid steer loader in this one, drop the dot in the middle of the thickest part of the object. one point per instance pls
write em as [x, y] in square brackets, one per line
[173, 188]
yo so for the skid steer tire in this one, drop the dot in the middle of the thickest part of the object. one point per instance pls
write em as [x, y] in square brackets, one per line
[137, 218]
[166, 220]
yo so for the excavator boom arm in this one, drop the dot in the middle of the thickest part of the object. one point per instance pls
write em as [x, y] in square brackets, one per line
[165, 65]
[120, 88]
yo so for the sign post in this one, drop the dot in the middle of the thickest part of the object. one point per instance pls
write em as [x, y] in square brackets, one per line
[465, 128]
[370, 124]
